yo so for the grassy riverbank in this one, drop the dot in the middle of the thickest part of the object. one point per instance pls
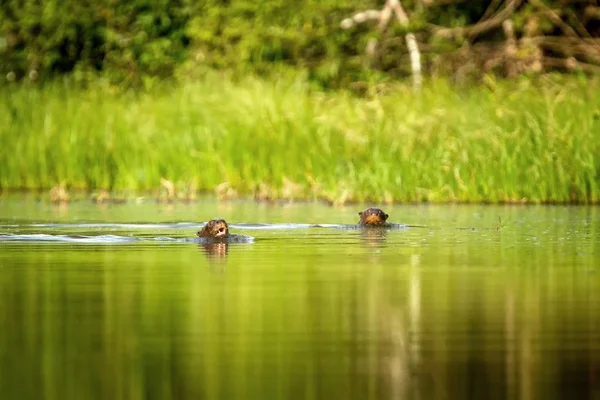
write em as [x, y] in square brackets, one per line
[520, 141]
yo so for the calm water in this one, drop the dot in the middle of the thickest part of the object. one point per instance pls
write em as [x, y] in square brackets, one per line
[109, 302]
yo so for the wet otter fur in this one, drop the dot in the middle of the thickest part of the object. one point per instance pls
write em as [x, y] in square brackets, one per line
[215, 228]
[372, 217]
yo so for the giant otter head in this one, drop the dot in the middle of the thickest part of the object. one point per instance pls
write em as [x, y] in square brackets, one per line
[372, 217]
[215, 228]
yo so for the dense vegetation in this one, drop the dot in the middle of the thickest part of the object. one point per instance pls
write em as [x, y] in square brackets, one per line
[139, 41]
[269, 125]
[507, 142]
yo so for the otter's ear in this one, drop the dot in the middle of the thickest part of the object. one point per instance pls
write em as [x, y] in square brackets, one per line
[360, 213]
[386, 216]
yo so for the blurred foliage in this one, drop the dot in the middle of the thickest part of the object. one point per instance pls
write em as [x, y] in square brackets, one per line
[123, 39]
[141, 41]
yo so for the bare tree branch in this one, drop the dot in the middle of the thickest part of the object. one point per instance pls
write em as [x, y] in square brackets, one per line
[483, 26]
[391, 7]
[489, 11]
[411, 43]
[567, 30]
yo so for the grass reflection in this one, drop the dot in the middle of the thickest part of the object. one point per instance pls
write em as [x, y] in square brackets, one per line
[420, 313]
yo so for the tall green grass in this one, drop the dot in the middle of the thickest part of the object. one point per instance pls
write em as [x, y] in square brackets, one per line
[533, 141]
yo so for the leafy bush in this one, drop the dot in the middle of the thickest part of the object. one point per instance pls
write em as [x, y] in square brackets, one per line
[122, 39]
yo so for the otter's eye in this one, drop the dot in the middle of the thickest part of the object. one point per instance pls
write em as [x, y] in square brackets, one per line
[221, 230]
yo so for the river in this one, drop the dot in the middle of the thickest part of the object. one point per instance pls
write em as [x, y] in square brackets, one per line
[111, 301]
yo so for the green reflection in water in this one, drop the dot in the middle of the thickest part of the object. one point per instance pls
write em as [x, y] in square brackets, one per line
[425, 313]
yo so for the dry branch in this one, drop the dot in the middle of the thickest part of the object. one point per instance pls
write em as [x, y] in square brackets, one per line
[570, 44]
[570, 64]
[489, 11]
[483, 26]
[578, 25]
[567, 30]
[588, 48]
[391, 7]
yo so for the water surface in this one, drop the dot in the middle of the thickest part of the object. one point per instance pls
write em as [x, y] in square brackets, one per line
[114, 302]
